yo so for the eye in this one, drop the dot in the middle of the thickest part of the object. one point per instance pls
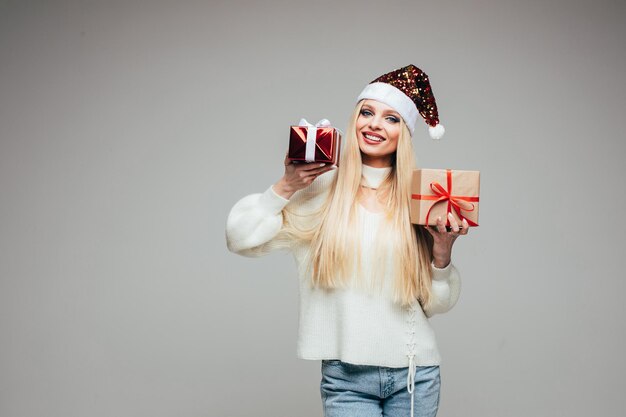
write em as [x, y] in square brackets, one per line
[393, 119]
[365, 112]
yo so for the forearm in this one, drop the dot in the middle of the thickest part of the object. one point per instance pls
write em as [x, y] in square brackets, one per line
[254, 220]
[445, 289]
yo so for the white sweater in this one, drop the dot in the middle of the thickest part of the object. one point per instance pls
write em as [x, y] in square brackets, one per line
[348, 324]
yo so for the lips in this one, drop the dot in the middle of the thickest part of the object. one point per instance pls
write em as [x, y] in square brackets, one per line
[371, 137]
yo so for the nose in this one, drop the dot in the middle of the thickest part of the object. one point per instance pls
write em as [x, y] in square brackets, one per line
[375, 122]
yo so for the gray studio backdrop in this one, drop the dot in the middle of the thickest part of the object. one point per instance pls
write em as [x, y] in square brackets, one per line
[129, 129]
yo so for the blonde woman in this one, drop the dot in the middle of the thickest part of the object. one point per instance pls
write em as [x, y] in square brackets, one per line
[369, 279]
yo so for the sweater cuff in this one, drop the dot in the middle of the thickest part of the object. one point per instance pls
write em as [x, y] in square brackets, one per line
[441, 274]
[272, 202]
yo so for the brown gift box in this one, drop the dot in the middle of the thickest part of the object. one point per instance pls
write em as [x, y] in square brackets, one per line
[437, 192]
[327, 144]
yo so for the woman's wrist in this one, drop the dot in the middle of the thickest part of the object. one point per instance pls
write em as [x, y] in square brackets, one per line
[283, 190]
[441, 262]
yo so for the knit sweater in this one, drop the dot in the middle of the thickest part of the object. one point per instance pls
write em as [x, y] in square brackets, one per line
[348, 324]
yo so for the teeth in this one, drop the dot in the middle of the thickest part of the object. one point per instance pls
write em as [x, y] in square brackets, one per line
[374, 138]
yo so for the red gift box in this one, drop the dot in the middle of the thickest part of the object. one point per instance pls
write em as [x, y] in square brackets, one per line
[308, 143]
[437, 192]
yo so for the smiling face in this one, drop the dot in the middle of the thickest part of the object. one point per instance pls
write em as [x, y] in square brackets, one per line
[377, 129]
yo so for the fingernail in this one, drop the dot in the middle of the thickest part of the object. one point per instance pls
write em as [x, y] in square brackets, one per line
[322, 165]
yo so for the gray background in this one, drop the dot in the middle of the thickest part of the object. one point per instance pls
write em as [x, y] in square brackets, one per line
[129, 129]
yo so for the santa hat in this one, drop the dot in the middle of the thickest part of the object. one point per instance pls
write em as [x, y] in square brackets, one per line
[408, 91]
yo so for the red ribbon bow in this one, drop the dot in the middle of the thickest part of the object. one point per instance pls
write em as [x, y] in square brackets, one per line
[454, 201]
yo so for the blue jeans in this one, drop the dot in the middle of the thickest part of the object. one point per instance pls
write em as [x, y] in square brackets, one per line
[373, 391]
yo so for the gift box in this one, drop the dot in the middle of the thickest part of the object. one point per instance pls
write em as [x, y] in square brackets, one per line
[437, 192]
[314, 143]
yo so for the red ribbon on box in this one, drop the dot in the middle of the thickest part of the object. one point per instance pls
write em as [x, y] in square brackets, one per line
[441, 194]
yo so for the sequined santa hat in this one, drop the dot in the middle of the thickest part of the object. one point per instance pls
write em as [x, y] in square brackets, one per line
[408, 91]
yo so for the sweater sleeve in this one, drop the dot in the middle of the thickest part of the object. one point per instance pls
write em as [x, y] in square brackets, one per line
[446, 288]
[253, 223]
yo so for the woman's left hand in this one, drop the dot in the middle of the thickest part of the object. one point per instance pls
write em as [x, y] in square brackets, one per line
[443, 240]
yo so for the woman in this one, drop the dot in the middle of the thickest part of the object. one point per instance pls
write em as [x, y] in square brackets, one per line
[369, 279]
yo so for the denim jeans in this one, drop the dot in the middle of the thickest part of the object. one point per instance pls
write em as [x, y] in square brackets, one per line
[373, 391]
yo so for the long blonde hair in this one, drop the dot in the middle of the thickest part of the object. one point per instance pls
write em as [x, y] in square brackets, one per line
[334, 238]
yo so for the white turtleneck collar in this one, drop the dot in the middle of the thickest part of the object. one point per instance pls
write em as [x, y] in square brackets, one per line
[373, 177]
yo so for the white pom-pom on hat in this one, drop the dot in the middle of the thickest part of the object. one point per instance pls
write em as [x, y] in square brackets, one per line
[437, 131]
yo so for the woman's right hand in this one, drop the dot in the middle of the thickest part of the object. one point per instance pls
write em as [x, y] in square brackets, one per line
[298, 176]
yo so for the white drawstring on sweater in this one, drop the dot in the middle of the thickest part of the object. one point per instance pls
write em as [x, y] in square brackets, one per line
[410, 379]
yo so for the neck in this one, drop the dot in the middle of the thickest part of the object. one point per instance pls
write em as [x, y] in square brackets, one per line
[374, 176]
[379, 162]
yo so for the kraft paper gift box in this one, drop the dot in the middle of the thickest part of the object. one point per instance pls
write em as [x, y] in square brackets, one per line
[437, 192]
[319, 143]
